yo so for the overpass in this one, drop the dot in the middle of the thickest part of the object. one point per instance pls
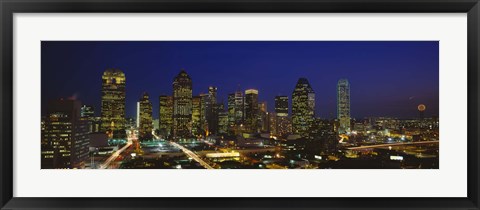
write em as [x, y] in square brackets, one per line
[114, 156]
[192, 155]
[392, 145]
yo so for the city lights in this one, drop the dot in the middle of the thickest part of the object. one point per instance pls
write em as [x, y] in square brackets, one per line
[335, 117]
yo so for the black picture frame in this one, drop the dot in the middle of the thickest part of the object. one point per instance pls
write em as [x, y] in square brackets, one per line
[10, 7]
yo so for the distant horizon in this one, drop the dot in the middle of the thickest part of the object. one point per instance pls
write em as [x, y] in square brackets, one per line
[388, 78]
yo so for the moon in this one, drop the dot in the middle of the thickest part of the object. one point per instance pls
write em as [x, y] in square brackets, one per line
[421, 107]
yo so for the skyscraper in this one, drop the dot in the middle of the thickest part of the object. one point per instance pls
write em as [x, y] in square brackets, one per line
[203, 111]
[113, 103]
[343, 105]
[196, 114]
[212, 110]
[303, 107]
[231, 110]
[263, 117]
[283, 125]
[251, 110]
[212, 94]
[272, 123]
[281, 106]
[88, 113]
[222, 119]
[182, 105]
[65, 136]
[146, 119]
[165, 115]
[239, 108]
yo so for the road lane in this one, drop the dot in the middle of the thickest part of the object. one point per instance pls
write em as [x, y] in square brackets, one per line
[114, 156]
[393, 144]
[192, 155]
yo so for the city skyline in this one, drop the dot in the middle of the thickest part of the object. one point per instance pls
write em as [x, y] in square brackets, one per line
[198, 129]
[402, 103]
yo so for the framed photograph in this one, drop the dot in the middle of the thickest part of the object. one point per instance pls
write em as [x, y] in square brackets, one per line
[239, 104]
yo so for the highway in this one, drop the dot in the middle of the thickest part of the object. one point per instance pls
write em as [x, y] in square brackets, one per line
[192, 155]
[393, 144]
[114, 156]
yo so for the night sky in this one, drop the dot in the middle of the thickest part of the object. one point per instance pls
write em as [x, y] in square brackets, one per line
[387, 78]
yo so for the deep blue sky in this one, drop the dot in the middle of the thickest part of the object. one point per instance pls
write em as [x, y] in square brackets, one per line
[387, 78]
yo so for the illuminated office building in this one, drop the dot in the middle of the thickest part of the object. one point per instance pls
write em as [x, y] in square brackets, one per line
[222, 119]
[272, 123]
[113, 103]
[323, 131]
[251, 110]
[239, 108]
[220, 107]
[212, 110]
[343, 105]
[263, 117]
[236, 112]
[203, 111]
[165, 123]
[303, 107]
[196, 114]
[281, 106]
[223, 122]
[64, 135]
[231, 110]
[182, 105]
[146, 120]
[88, 113]
[283, 124]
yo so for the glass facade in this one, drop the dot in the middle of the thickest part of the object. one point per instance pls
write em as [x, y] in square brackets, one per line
[113, 102]
[283, 124]
[146, 119]
[182, 105]
[65, 136]
[212, 110]
[343, 106]
[165, 123]
[251, 110]
[231, 110]
[303, 107]
[196, 114]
